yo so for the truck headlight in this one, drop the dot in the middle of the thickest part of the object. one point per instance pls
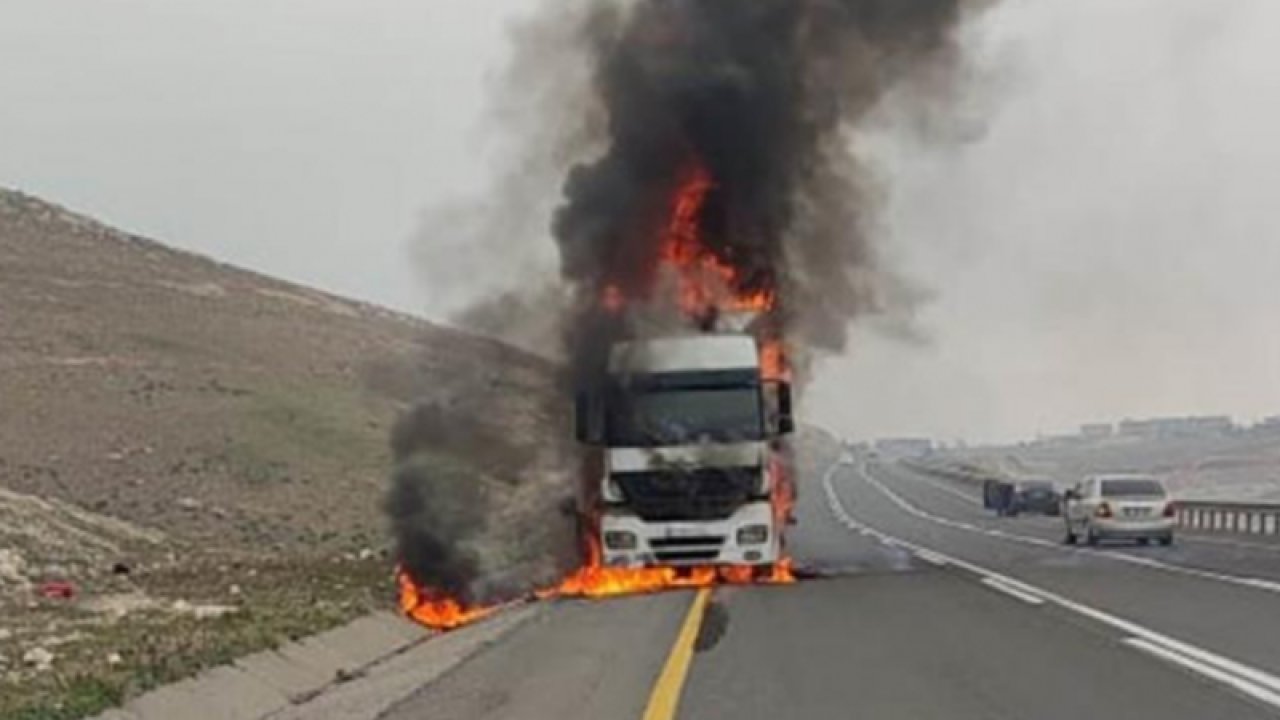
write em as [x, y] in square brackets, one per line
[753, 535]
[620, 540]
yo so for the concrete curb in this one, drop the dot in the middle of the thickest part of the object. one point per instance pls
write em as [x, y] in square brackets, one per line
[358, 670]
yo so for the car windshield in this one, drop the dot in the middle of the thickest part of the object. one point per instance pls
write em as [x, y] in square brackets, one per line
[682, 416]
[1037, 486]
[1132, 487]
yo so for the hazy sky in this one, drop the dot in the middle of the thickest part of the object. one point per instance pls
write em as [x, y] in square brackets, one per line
[1105, 246]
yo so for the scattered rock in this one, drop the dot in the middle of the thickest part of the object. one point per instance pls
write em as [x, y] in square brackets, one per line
[39, 658]
[189, 504]
[121, 569]
[203, 612]
[366, 554]
[114, 659]
[5, 634]
[117, 606]
[234, 590]
[13, 567]
[343, 675]
[209, 612]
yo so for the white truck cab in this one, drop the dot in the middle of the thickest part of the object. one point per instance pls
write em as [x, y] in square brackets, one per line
[686, 435]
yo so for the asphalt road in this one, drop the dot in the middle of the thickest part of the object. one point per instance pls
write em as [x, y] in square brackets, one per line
[933, 609]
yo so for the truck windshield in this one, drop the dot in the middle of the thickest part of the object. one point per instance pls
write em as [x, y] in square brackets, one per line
[684, 416]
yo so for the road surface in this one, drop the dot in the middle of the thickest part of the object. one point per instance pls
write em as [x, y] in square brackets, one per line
[934, 609]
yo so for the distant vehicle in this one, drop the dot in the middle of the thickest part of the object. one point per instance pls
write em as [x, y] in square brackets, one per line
[1013, 497]
[1118, 507]
[1036, 496]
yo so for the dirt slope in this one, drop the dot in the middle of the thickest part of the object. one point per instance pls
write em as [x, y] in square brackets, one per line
[223, 434]
[211, 403]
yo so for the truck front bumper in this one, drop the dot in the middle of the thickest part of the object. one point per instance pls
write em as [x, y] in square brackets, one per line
[629, 541]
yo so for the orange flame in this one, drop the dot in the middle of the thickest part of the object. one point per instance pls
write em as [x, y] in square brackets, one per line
[706, 282]
[435, 610]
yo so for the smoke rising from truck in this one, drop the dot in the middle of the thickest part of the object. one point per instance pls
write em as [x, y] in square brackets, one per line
[763, 96]
[727, 151]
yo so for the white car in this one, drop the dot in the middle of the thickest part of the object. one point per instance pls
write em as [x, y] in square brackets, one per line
[1119, 507]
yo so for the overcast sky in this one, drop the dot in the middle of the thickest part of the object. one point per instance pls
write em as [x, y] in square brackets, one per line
[1105, 246]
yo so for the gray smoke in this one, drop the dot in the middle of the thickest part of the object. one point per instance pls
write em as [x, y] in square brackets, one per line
[762, 94]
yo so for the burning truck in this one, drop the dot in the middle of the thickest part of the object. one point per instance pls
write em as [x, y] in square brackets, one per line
[713, 235]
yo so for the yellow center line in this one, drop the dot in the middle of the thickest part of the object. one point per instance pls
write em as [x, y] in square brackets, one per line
[665, 698]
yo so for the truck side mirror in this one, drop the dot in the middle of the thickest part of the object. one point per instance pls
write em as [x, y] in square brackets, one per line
[588, 420]
[780, 419]
[786, 420]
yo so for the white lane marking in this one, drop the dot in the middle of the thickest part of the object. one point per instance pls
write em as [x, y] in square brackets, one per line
[1025, 597]
[1209, 671]
[977, 502]
[897, 499]
[1231, 672]
[931, 558]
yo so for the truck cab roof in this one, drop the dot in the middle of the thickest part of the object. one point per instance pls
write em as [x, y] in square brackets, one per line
[683, 354]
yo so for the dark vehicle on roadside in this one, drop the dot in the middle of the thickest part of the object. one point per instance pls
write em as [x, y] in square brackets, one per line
[1038, 497]
[1010, 498]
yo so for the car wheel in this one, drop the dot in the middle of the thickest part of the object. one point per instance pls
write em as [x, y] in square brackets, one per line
[1167, 540]
[1092, 538]
[1070, 539]
[1144, 541]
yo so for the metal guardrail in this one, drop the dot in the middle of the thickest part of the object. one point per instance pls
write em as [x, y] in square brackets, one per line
[1201, 515]
[1229, 517]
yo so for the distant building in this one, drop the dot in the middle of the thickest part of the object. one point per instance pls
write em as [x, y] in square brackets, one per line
[1097, 431]
[1269, 425]
[904, 447]
[1153, 428]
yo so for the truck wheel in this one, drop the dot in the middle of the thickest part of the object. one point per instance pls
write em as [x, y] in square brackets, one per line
[1070, 539]
[1167, 540]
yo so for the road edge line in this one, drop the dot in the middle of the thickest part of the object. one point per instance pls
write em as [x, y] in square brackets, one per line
[1016, 593]
[664, 699]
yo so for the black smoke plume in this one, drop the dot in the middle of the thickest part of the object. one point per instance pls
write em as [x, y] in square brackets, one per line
[763, 96]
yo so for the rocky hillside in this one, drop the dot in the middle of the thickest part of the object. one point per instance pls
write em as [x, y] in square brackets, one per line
[213, 404]
[183, 442]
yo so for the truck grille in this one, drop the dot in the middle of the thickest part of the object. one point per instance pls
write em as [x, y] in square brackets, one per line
[709, 494]
[675, 542]
[677, 557]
